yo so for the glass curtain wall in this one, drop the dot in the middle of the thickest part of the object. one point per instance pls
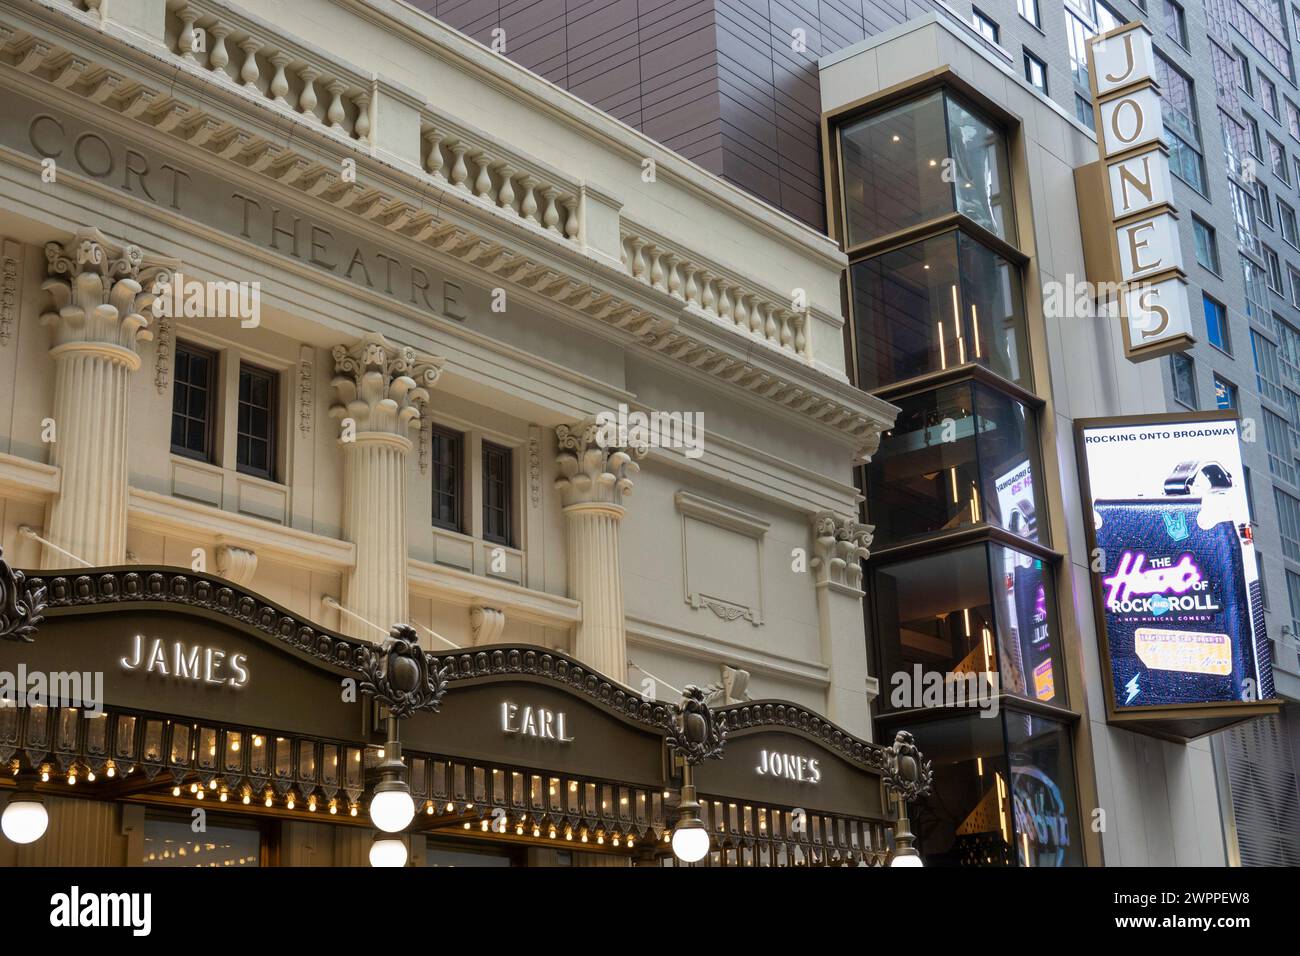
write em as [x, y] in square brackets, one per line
[962, 621]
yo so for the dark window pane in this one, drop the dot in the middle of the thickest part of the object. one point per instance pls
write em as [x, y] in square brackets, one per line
[894, 166]
[933, 305]
[496, 493]
[192, 398]
[993, 613]
[255, 421]
[445, 450]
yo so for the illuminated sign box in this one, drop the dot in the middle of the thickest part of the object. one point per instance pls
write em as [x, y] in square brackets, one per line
[1126, 211]
[1176, 586]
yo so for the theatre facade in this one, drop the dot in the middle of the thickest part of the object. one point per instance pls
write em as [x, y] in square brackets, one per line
[314, 327]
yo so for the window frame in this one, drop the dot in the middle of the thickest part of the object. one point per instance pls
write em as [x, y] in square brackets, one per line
[209, 454]
[507, 509]
[1209, 302]
[459, 440]
[1029, 58]
[272, 428]
[1174, 359]
[1199, 227]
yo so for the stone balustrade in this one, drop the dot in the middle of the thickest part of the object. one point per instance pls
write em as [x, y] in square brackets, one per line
[705, 286]
[454, 154]
[270, 66]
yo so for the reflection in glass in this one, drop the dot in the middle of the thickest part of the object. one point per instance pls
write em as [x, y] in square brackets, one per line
[1042, 787]
[980, 177]
[967, 819]
[977, 609]
[957, 456]
[171, 842]
[933, 305]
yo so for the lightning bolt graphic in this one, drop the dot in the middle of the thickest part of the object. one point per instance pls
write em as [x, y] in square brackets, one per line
[1132, 688]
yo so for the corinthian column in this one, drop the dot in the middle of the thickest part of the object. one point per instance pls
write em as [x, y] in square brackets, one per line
[594, 479]
[99, 316]
[382, 390]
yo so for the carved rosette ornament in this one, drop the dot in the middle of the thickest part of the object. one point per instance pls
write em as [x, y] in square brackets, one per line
[102, 300]
[400, 676]
[591, 472]
[696, 734]
[840, 545]
[22, 605]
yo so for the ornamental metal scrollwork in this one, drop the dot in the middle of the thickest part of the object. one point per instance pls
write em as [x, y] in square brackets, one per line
[907, 775]
[400, 678]
[22, 605]
[696, 734]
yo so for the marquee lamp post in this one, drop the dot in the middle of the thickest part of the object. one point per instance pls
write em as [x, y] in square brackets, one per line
[400, 678]
[908, 778]
[21, 610]
[696, 736]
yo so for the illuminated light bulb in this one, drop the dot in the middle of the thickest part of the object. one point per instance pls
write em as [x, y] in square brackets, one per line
[466, 824]
[199, 795]
[392, 810]
[110, 771]
[485, 826]
[573, 787]
[311, 804]
[583, 837]
[428, 808]
[352, 810]
[212, 785]
[25, 819]
[224, 796]
[45, 774]
[537, 831]
[519, 830]
[176, 791]
[194, 788]
[551, 833]
[334, 807]
[630, 841]
[388, 852]
[247, 799]
[690, 844]
[600, 839]
[90, 776]
[234, 746]
[257, 740]
[269, 800]
[451, 807]
[896, 137]
[72, 778]
[289, 801]
[615, 840]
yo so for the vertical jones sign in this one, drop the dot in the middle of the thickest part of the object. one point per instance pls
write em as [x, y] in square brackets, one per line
[1145, 256]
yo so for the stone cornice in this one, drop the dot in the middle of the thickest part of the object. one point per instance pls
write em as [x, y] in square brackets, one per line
[186, 103]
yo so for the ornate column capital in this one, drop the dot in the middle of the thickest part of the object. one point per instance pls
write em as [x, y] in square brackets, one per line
[100, 296]
[382, 387]
[840, 546]
[592, 471]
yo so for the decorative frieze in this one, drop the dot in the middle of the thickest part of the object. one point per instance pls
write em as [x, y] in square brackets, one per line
[10, 271]
[839, 547]
[306, 389]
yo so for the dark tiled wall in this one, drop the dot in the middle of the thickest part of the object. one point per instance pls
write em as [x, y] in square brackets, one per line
[718, 81]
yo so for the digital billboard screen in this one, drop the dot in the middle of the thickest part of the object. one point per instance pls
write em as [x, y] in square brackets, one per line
[1173, 561]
